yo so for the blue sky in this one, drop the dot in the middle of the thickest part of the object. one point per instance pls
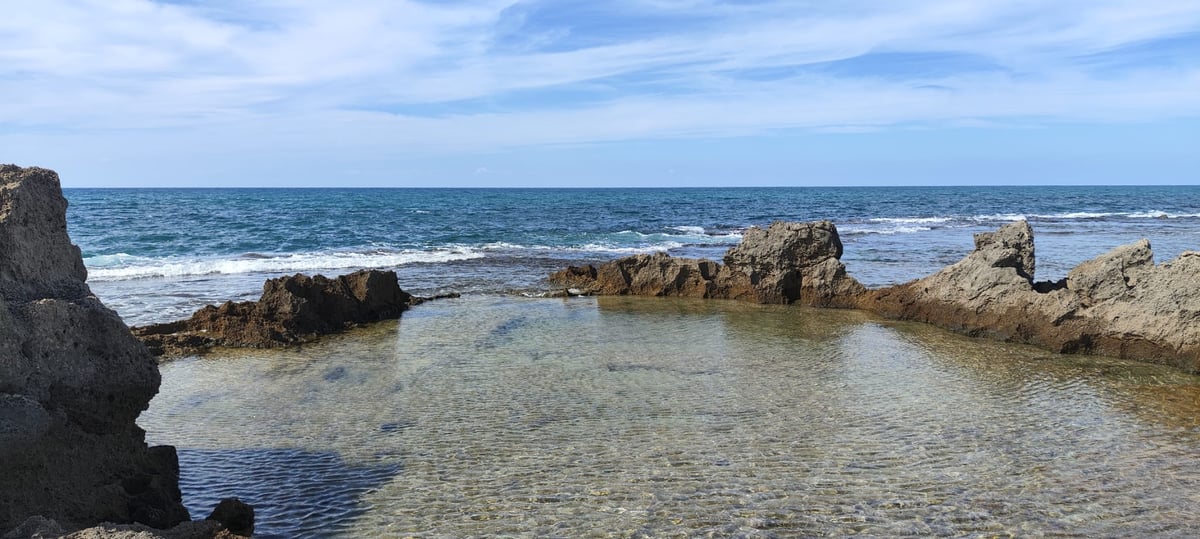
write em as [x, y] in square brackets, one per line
[589, 93]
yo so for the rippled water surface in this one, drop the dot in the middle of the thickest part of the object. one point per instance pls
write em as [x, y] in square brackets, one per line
[490, 416]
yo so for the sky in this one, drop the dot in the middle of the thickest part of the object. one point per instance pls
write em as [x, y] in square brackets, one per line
[565, 93]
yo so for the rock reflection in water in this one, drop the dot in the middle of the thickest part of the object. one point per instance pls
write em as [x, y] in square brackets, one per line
[295, 493]
[658, 417]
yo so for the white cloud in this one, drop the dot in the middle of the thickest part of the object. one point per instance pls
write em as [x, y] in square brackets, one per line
[295, 73]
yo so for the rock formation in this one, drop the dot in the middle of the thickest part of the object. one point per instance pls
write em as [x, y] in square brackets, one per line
[292, 310]
[1119, 304]
[785, 263]
[72, 380]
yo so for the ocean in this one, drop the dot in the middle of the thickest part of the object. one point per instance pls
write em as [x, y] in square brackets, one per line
[503, 413]
[158, 254]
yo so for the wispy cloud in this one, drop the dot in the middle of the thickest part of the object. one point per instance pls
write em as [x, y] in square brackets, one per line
[484, 74]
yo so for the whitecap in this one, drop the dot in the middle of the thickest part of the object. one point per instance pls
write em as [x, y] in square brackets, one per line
[912, 220]
[862, 231]
[1076, 215]
[140, 267]
[113, 260]
[1000, 217]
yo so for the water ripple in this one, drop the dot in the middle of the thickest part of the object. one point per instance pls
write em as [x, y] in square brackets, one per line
[628, 417]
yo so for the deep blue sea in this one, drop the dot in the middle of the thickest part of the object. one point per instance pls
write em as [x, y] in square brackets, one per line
[158, 254]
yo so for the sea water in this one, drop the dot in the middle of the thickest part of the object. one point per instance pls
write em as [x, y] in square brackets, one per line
[158, 254]
[500, 414]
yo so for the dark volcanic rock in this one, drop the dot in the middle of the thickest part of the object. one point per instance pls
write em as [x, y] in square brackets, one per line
[786, 263]
[292, 310]
[72, 380]
[235, 516]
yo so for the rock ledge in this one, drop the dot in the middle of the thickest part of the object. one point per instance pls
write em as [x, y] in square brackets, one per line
[1119, 304]
[292, 310]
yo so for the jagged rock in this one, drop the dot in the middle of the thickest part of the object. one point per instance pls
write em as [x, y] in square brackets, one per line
[1113, 274]
[1119, 304]
[989, 292]
[72, 380]
[656, 275]
[1156, 316]
[786, 263]
[291, 310]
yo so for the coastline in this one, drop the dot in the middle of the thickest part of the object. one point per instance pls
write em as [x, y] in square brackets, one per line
[1119, 304]
[497, 414]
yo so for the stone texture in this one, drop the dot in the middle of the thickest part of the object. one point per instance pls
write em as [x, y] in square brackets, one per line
[786, 263]
[291, 310]
[43, 528]
[656, 275]
[989, 292]
[235, 516]
[72, 380]
[1118, 304]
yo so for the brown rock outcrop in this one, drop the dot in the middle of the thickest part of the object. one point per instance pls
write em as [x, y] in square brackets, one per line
[1119, 304]
[291, 310]
[990, 292]
[785, 263]
[657, 275]
[72, 380]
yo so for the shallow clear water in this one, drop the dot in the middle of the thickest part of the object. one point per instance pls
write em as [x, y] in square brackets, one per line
[646, 417]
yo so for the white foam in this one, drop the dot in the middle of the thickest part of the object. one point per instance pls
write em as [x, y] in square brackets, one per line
[586, 248]
[1158, 214]
[1000, 217]
[690, 230]
[912, 220]
[125, 267]
[602, 248]
[860, 231]
[1079, 215]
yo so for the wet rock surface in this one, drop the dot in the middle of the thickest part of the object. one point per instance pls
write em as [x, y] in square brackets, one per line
[72, 380]
[291, 310]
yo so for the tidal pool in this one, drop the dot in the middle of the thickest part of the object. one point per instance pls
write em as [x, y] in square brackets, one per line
[650, 417]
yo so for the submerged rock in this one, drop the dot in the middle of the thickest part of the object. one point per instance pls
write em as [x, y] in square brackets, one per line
[291, 310]
[72, 380]
[1119, 304]
[785, 263]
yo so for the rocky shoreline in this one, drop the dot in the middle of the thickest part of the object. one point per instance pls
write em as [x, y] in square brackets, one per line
[1119, 304]
[74, 378]
[73, 381]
